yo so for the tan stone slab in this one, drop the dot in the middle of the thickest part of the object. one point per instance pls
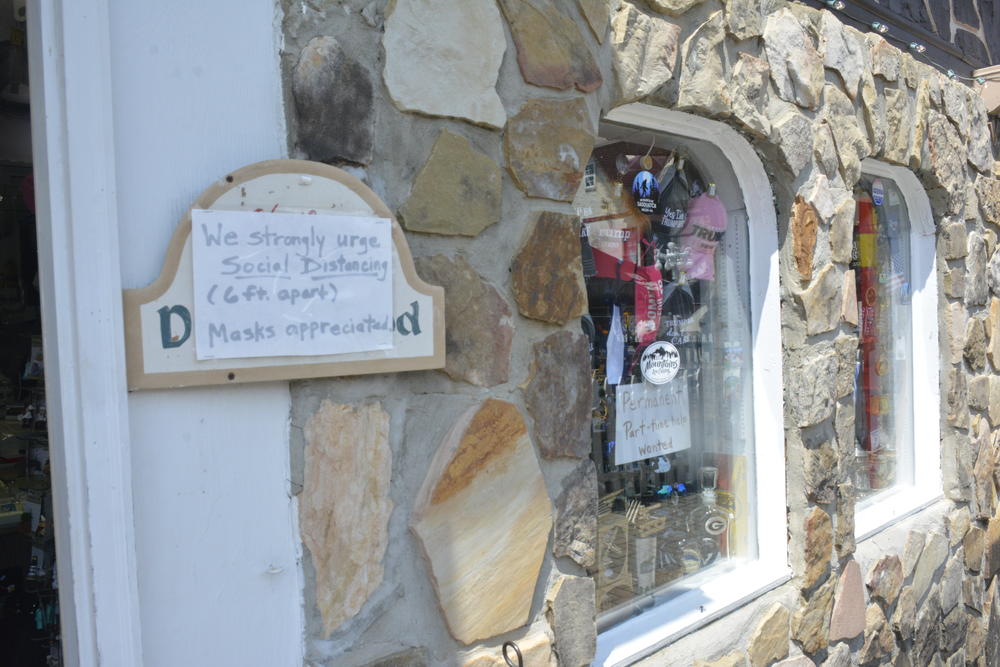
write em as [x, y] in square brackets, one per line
[483, 518]
[905, 616]
[974, 544]
[571, 610]
[644, 52]
[822, 301]
[348, 465]
[478, 320]
[548, 143]
[931, 558]
[546, 274]
[993, 333]
[558, 395]
[796, 66]
[811, 623]
[750, 93]
[849, 304]
[992, 549]
[703, 86]
[598, 15]
[551, 51]
[885, 578]
[819, 544]
[457, 191]
[443, 58]
[769, 641]
[745, 18]
[536, 649]
[878, 636]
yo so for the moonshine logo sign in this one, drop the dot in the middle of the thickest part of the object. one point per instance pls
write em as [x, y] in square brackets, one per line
[660, 362]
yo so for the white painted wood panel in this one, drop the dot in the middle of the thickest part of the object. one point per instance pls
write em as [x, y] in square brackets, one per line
[197, 93]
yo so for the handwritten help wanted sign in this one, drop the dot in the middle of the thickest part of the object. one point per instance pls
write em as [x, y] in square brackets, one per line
[288, 284]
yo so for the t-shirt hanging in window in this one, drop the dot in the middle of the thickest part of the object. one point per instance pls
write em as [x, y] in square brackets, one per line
[706, 222]
[614, 244]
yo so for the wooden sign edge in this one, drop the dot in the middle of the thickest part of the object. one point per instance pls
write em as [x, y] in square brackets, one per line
[132, 299]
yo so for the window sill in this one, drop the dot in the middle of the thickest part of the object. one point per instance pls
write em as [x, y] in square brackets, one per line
[706, 601]
[891, 506]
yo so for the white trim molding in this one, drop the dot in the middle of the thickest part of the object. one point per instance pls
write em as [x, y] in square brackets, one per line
[909, 496]
[705, 598]
[80, 285]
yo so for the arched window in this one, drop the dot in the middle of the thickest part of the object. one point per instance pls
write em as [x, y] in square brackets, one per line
[679, 249]
[896, 468]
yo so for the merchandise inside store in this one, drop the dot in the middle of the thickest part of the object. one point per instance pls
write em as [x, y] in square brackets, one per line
[29, 606]
[664, 247]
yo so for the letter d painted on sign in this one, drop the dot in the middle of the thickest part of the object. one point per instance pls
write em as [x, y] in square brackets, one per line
[166, 336]
[409, 323]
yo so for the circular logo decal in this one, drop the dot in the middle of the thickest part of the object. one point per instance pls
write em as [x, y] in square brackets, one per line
[716, 525]
[660, 362]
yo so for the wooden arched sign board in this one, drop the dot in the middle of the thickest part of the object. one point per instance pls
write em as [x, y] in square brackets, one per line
[160, 319]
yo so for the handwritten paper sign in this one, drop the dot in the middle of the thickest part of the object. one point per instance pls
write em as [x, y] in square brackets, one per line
[284, 284]
[651, 420]
[162, 318]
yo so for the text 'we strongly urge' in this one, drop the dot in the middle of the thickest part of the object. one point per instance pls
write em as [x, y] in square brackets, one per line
[284, 284]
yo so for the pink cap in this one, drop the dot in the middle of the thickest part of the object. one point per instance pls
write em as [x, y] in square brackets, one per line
[706, 222]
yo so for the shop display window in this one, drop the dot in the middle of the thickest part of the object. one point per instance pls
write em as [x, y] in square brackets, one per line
[678, 304]
[896, 467]
[883, 396]
[668, 322]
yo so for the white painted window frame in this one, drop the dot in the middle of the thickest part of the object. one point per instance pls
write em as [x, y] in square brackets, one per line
[904, 499]
[83, 334]
[654, 628]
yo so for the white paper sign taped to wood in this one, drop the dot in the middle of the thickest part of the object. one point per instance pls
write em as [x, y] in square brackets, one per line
[385, 320]
[273, 284]
[651, 420]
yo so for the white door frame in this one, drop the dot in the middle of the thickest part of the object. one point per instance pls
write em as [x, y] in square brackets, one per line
[80, 285]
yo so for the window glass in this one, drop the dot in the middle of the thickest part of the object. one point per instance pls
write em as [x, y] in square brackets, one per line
[665, 259]
[883, 388]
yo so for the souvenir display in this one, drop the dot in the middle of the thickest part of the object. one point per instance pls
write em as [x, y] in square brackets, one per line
[671, 415]
[706, 223]
[880, 261]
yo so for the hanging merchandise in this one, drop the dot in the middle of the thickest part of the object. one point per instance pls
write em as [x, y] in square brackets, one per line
[616, 349]
[678, 301]
[866, 229]
[645, 191]
[614, 245]
[648, 303]
[706, 222]
[637, 172]
[672, 206]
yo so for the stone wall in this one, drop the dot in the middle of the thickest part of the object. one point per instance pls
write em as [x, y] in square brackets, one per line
[444, 512]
